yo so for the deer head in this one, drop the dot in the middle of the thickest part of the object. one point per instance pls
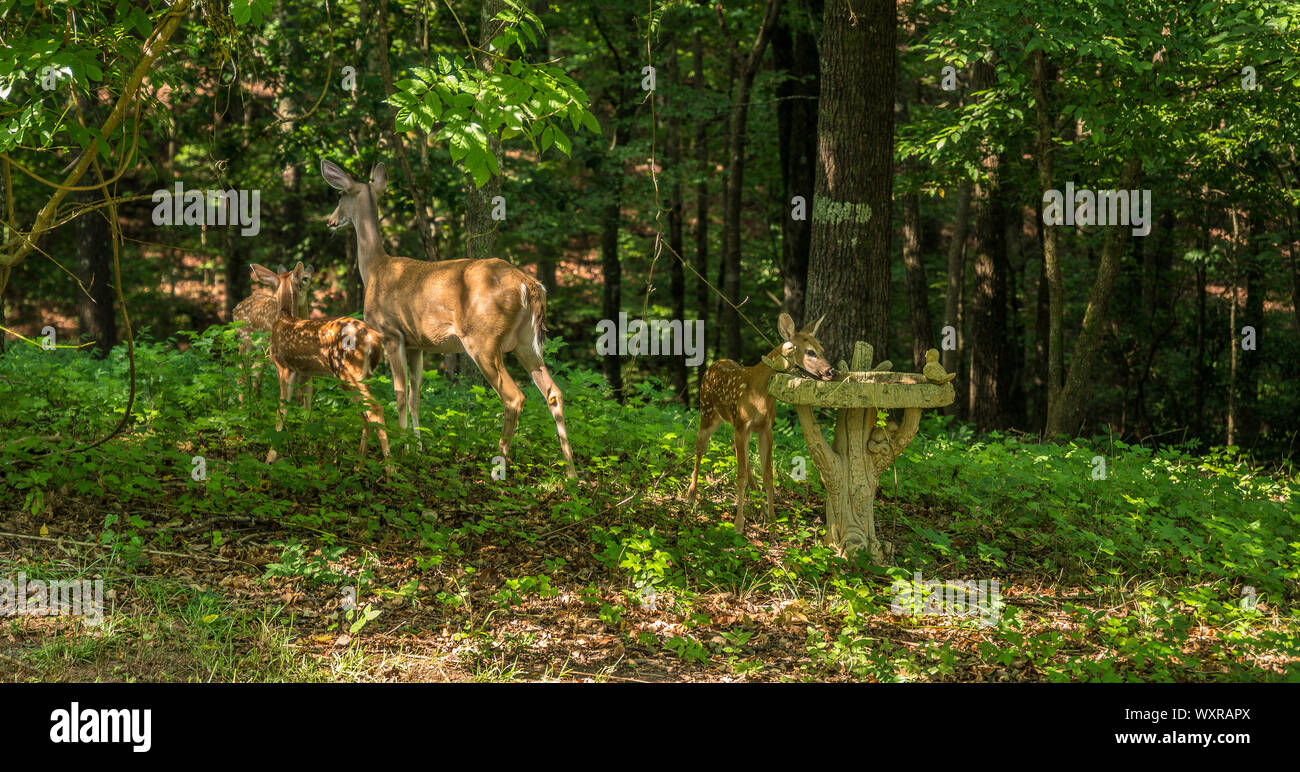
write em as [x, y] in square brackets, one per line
[803, 348]
[355, 194]
[290, 288]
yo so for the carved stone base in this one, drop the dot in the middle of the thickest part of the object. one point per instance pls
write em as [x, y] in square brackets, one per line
[850, 470]
[861, 451]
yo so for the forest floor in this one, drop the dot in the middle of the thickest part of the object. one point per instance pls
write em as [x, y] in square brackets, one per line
[1171, 566]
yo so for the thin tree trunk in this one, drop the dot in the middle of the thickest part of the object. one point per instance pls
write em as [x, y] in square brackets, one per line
[794, 50]
[95, 263]
[1067, 417]
[95, 270]
[418, 195]
[1042, 323]
[1248, 386]
[1045, 155]
[952, 308]
[676, 238]
[918, 291]
[746, 70]
[701, 201]
[481, 235]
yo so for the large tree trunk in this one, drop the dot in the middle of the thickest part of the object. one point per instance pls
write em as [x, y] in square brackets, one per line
[989, 377]
[1066, 416]
[848, 272]
[747, 68]
[794, 50]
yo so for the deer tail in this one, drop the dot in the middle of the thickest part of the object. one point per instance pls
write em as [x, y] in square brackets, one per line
[533, 293]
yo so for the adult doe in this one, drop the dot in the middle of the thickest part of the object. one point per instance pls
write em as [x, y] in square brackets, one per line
[739, 396]
[484, 308]
[341, 346]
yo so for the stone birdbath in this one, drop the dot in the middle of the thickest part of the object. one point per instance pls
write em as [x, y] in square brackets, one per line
[851, 465]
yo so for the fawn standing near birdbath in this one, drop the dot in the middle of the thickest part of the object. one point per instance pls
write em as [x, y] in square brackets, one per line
[739, 396]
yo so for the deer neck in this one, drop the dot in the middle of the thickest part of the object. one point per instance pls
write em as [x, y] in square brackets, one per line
[285, 303]
[370, 245]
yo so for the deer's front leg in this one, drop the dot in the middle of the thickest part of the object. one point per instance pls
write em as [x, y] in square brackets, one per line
[765, 452]
[287, 378]
[740, 442]
[395, 350]
[415, 370]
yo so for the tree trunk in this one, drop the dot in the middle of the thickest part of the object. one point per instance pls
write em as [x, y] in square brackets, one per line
[234, 148]
[701, 202]
[848, 271]
[95, 314]
[95, 270]
[747, 68]
[952, 308]
[481, 235]
[794, 50]
[918, 291]
[418, 196]
[989, 333]
[1246, 393]
[676, 239]
[1067, 414]
[1042, 322]
[1045, 149]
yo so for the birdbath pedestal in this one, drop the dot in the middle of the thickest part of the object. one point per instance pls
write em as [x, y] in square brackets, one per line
[861, 451]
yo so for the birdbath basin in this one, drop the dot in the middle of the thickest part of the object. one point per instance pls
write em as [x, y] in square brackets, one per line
[851, 465]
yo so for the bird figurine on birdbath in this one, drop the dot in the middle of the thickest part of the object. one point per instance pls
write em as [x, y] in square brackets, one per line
[933, 371]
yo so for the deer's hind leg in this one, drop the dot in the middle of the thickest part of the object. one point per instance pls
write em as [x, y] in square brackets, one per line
[765, 454]
[415, 367]
[493, 367]
[373, 414]
[709, 423]
[542, 379]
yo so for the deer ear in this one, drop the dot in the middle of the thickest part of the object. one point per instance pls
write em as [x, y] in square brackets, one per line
[335, 176]
[265, 275]
[785, 326]
[812, 329]
[379, 178]
[298, 271]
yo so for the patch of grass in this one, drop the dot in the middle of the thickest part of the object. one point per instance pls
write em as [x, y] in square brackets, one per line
[1174, 566]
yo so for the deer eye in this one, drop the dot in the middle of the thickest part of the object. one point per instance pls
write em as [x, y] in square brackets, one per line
[812, 353]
